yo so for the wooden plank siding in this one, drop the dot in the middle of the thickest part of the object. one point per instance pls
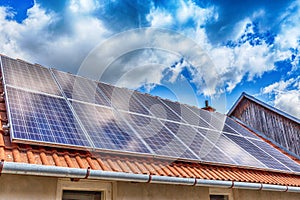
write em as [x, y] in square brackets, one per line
[273, 125]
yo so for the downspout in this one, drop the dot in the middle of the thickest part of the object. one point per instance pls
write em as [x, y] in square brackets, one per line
[75, 173]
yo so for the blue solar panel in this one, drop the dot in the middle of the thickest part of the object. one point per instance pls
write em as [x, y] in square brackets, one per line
[79, 88]
[239, 129]
[24, 75]
[257, 152]
[186, 114]
[277, 154]
[122, 99]
[203, 115]
[39, 118]
[157, 108]
[107, 130]
[219, 121]
[240, 155]
[200, 145]
[215, 120]
[160, 139]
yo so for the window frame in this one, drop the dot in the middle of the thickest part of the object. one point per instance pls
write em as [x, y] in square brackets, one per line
[221, 191]
[84, 185]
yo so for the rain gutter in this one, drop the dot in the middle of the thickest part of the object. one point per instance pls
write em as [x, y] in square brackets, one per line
[75, 173]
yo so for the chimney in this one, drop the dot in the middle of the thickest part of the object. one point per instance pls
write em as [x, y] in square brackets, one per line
[206, 103]
[208, 107]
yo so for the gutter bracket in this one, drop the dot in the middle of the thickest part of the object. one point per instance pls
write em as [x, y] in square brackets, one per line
[88, 171]
[1, 166]
[261, 186]
[150, 178]
[287, 188]
[195, 182]
[232, 185]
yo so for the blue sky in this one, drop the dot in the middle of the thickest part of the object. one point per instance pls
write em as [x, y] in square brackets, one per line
[253, 46]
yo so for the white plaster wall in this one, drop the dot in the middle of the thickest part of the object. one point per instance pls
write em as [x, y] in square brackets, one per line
[27, 187]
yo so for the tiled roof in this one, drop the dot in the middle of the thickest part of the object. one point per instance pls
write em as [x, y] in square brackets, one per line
[50, 156]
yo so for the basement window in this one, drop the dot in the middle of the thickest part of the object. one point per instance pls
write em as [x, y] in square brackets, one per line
[81, 195]
[218, 197]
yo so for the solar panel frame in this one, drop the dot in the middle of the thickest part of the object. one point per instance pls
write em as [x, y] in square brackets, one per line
[239, 129]
[98, 131]
[177, 149]
[258, 153]
[155, 107]
[36, 124]
[36, 77]
[276, 154]
[204, 115]
[214, 154]
[79, 88]
[185, 114]
[122, 99]
[220, 122]
[231, 149]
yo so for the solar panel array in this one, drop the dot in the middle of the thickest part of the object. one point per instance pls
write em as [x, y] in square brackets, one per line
[42, 118]
[79, 88]
[24, 75]
[50, 107]
[107, 130]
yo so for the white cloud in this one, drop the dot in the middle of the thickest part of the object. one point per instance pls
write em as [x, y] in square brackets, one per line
[278, 86]
[289, 35]
[231, 64]
[234, 63]
[83, 6]
[140, 67]
[240, 28]
[37, 40]
[290, 30]
[189, 10]
[289, 102]
[286, 95]
[160, 18]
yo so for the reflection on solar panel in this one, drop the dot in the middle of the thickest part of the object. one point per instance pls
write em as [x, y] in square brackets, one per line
[41, 118]
[107, 130]
[220, 122]
[203, 115]
[186, 114]
[160, 139]
[239, 129]
[122, 99]
[257, 152]
[231, 149]
[157, 108]
[200, 145]
[21, 74]
[79, 88]
[277, 154]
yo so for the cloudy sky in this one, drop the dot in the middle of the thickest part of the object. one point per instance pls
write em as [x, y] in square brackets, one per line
[187, 50]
